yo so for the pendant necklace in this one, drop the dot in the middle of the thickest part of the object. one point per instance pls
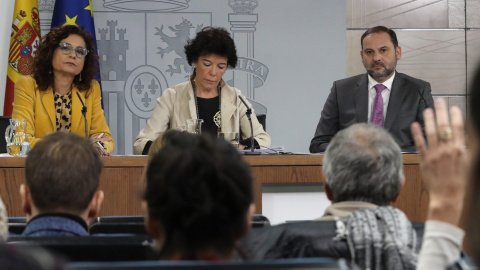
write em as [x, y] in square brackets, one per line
[217, 118]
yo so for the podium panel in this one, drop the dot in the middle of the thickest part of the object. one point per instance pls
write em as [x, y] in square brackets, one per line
[122, 182]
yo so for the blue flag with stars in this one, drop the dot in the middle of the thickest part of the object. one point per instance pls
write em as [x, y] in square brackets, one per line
[76, 12]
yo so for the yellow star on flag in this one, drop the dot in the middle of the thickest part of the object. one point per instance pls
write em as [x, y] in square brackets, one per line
[89, 7]
[70, 21]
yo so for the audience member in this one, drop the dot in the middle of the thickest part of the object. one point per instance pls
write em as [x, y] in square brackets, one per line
[445, 168]
[364, 173]
[199, 197]
[21, 258]
[363, 169]
[61, 194]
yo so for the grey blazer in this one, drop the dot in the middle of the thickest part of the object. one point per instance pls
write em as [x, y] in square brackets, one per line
[347, 104]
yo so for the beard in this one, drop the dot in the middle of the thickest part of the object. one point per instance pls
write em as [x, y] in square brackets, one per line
[388, 70]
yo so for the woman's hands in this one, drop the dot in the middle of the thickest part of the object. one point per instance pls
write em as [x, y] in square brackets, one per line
[443, 162]
[101, 149]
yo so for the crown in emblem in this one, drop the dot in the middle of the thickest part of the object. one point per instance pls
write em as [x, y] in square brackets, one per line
[46, 5]
[243, 6]
[187, 22]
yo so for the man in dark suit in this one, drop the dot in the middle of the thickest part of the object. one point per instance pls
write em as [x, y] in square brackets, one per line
[381, 96]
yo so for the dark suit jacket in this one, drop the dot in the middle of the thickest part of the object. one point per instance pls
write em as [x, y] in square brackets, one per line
[347, 104]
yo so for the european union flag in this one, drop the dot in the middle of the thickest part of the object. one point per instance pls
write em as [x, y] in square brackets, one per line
[76, 12]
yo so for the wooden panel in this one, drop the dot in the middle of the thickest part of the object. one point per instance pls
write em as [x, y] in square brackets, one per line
[122, 181]
[413, 199]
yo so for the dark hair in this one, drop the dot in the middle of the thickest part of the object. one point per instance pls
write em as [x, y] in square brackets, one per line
[381, 29]
[199, 190]
[42, 62]
[473, 220]
[212, 40]
[63, 172]
[20, 257]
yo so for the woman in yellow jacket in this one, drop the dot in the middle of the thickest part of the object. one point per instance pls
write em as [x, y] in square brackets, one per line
[63, 77]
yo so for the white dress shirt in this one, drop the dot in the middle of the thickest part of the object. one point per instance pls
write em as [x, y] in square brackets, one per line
[385, 94]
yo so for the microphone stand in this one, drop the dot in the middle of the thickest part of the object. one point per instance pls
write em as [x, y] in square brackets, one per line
[249, 113]
[84, 112]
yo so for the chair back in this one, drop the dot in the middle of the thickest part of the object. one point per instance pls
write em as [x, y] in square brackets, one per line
[135, 224]
[4, 123]
[118, 225]
[260, 221]
[93, 248]
[305, 239]
[16, 225]
[289, 264]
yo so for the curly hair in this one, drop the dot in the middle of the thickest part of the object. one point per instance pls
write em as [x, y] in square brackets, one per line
[42, 63]
[199, 190]
[212, 40]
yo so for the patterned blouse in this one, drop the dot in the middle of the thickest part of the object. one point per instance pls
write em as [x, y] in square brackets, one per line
[63, 111]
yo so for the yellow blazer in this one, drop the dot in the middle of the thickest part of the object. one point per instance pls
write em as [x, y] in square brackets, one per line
[39, 109]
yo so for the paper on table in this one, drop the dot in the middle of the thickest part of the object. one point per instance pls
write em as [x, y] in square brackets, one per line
[267, 151]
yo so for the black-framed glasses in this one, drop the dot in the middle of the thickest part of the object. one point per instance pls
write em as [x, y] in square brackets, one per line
[67, 48]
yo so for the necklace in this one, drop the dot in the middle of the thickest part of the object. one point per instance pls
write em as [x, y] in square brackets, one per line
[217, 118]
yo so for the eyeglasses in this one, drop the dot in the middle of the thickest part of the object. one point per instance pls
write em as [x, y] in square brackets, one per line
[67, 48]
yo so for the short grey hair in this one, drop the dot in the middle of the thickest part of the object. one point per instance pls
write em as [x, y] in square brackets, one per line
[363, 163]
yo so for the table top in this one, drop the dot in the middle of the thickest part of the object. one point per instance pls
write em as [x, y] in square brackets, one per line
[261, 160]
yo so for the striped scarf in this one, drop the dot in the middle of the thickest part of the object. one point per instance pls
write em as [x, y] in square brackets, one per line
[381, 238]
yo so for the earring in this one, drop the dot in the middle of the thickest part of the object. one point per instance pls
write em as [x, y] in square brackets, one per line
[80, 77]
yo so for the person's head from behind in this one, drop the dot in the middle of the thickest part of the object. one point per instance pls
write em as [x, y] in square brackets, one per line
[199, 198]
[363, 163]
[62, 176]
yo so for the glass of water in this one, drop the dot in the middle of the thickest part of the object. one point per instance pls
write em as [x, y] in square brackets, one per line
[232, 137]
[16, 137]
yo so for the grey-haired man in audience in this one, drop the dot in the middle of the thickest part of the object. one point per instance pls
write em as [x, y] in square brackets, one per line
[363, 169]
[364, 174]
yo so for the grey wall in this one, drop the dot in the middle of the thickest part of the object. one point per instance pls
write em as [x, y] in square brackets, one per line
[297, 47]
[439, 40]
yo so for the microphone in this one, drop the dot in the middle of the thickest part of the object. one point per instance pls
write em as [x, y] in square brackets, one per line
[249, 113]
[84, 112]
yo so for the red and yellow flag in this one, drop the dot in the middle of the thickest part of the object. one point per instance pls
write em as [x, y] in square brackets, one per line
[24, 41]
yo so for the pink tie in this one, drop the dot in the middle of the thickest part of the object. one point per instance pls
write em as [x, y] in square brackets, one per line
[377, 112]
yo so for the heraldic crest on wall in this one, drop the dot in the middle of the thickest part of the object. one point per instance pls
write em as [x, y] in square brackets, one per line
[176, 43]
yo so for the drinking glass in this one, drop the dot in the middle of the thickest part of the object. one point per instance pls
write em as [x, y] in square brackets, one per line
[16, 137]
[232, 137]
[194, 126]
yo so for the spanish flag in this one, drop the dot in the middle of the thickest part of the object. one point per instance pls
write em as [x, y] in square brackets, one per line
[24, 41]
